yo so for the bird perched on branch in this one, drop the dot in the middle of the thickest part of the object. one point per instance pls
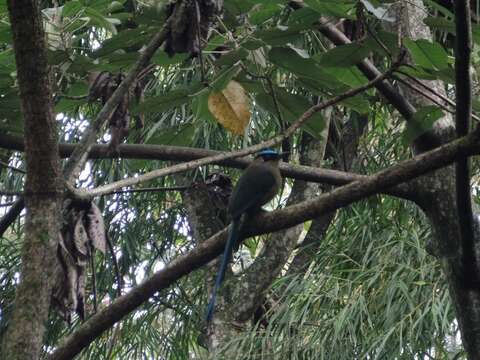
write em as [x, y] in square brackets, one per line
[258, 184]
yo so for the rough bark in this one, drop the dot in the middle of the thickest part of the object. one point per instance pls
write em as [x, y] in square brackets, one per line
[24, 336]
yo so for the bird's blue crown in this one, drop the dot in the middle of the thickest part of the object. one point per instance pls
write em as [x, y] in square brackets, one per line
[267, 152]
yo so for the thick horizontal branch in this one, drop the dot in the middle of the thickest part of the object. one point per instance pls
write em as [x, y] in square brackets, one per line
[263, 223]
[181, 154]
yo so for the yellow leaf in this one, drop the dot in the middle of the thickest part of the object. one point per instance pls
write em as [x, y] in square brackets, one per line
[231, 107]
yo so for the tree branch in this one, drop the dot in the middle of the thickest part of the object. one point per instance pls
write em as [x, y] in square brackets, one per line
[463, 84]
[263, 223]
[181, 154]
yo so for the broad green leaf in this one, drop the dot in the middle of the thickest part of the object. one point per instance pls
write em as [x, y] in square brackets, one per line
[344, 55]
[200, 107]
[124, 39]
[5, 33]
[81, 65]
[115, 62]
[161, 58]
[97, 19]
[221, 80]
[305, 17]
[447, 75]
[441, 9]
[231, 57]
[342, 9]
[164, 102]
[421, 122]
[264, 13]
[291, 107]
[289, 59]
[357, 103]
[426, 54]
[446, 25]
[72, 8]
[388, 40]
[281, 35]
[180, 135]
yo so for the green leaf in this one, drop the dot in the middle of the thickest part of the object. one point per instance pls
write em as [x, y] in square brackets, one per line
[231, 57]
[446, 25]
[164, 102]
[344, 55]
[441, 9]
[125, 39]
[221, 80]
[115, 62]
[281, 35]
[264, 13]
[357, 103]
[81, 65]
[161, 58]
[180, 135]
[5, 33]
[200, 107]
[421, 122]
[426, 54]
[341, 9]
[388, 40]
[292, 107]
[97, 19]
[72, 8]
[305, 17]
[289, 59]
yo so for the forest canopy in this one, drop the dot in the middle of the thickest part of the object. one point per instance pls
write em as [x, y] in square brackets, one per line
[125, 126]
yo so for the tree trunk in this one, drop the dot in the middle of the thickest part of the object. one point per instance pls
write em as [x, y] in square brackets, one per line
[43, 194]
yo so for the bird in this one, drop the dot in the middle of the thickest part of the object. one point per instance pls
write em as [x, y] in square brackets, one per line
[257, 185]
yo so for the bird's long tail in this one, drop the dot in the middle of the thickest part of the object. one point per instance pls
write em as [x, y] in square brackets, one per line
[233, 235]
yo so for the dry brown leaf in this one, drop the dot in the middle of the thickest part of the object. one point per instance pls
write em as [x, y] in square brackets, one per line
[231, 107]
[80, 237]
[96, 228]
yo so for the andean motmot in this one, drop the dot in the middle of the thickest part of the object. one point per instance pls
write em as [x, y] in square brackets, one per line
[257, 185]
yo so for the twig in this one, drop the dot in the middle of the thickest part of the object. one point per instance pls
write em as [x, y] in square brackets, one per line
[199, 38]
[424, 94]
[11, 215]
[7, 204]
[10, 193]
[148, 189]
[12, 167]
[429, 89]
[115, 264]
